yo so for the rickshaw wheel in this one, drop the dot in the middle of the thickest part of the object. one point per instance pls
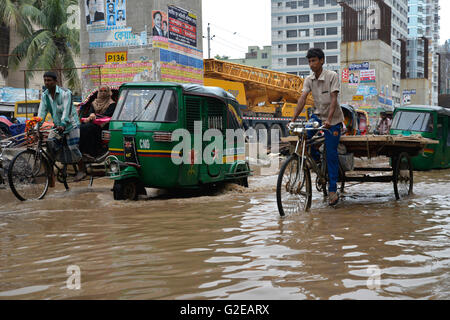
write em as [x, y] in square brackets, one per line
[403, 176]
[125, 190]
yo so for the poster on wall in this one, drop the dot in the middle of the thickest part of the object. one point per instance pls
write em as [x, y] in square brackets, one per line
[115, 74]
[160, 29]
[353, 78]
[367, 76]
[345, 75]
[182, 26]
[177, 67]
[116, 13]
[110, 38]
[95, 13]
[359, 66]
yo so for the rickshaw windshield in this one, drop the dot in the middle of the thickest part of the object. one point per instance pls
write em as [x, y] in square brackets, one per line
[413, 121]
[152, 105]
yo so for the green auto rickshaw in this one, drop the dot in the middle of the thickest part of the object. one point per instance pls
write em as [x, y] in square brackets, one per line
[174, 136]
[431, 122]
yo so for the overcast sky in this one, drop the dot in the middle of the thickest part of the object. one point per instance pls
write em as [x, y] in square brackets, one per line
[237, 24]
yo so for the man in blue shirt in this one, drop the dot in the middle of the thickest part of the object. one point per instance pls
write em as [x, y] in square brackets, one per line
[58, 102]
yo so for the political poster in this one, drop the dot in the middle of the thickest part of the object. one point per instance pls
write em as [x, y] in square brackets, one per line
[182, 26]
[95, 13]
[160, 29]
[345, 75]
[353, 78]
[367, 76]
[116, 13]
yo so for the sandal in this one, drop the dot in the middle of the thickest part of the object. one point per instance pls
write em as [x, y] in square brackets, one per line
[333, 199]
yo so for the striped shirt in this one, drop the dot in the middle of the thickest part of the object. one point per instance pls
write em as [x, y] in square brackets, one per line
[61, 109]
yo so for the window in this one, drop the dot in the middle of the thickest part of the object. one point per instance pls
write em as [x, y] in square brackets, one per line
[291, 19]
[320, 45]
[303, 46]
[332, 59]
[303, 32]
[291, 33]
[413, 121]
[332, 16]
[332, 45]
[303, 61]
[303, 74]
[303, 18]
[291, 61]
[291, 47]
[332, 31]
[319, 17]
[147, 105]
[264, 55]
[319, 31]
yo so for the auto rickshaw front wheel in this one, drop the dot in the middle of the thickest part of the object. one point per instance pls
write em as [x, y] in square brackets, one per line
[125, 189]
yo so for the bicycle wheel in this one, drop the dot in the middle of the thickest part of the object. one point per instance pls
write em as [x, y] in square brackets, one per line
[403, 176]
[293, 187]
[28, 175]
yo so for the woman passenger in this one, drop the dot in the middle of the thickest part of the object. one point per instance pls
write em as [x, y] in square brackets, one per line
[90, 133]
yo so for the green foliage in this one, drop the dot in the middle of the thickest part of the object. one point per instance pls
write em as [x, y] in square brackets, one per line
[48, 41]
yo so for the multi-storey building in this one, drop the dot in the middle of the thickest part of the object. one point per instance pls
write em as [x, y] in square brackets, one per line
[423, 43]
[399, 33]
[300, 25]
[256, 57]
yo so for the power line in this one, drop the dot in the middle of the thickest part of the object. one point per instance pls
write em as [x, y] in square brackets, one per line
[235, 33]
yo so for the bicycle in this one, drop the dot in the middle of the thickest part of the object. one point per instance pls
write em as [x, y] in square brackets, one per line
[30, 170]
[294, 187]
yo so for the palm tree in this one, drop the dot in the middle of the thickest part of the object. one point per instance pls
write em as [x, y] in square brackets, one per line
[11, 20]
[50, 43]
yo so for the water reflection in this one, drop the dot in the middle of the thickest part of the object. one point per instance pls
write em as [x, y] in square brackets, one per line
[229, 243]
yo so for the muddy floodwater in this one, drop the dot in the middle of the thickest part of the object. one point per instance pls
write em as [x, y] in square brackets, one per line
[229, 243]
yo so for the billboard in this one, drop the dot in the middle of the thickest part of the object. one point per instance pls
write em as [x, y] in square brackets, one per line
[182, 26]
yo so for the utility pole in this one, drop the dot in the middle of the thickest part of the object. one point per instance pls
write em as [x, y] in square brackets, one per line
[209, 41]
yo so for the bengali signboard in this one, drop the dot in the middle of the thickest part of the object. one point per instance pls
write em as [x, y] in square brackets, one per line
[182, 26]
[359, 66]
[113, 37]
[345, 75]
[367, 76]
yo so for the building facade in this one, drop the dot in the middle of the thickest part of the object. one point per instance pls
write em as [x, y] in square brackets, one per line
[300, 25]
[423, 43]
[139, 40]
[256, 57]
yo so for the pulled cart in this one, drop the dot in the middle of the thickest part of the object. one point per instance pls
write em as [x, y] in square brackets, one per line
[398, 149]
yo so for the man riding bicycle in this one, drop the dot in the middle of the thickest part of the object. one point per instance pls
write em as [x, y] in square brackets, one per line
[324, 85]
[58, 102]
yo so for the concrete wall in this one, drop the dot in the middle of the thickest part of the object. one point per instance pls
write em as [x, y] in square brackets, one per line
[139, 18]
[368, 96]
[422, 89]
[379, 56]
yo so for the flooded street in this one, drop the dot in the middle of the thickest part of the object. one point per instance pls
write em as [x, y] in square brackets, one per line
[229, 244]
